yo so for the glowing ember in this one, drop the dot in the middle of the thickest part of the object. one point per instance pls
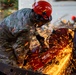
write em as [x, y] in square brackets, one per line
[63, 61]
[54, 60]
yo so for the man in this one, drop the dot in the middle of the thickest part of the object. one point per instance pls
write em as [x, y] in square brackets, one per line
[17, 30]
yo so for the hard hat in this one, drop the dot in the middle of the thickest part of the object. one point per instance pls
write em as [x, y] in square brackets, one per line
[42, 8]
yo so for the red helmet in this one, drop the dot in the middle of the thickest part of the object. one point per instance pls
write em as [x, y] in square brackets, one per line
[42, 8]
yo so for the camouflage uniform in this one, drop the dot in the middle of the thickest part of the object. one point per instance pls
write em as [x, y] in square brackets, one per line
[16, 32]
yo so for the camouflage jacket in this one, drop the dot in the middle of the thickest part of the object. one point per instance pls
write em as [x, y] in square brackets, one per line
[16, 31]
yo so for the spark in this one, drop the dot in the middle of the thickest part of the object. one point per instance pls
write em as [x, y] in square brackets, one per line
[55, 69]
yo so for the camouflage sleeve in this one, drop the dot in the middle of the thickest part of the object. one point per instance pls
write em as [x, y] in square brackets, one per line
[16, 50]
[21, 47]
[6, 50]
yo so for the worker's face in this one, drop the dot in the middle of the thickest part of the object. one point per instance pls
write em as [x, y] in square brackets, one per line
[41, 20]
